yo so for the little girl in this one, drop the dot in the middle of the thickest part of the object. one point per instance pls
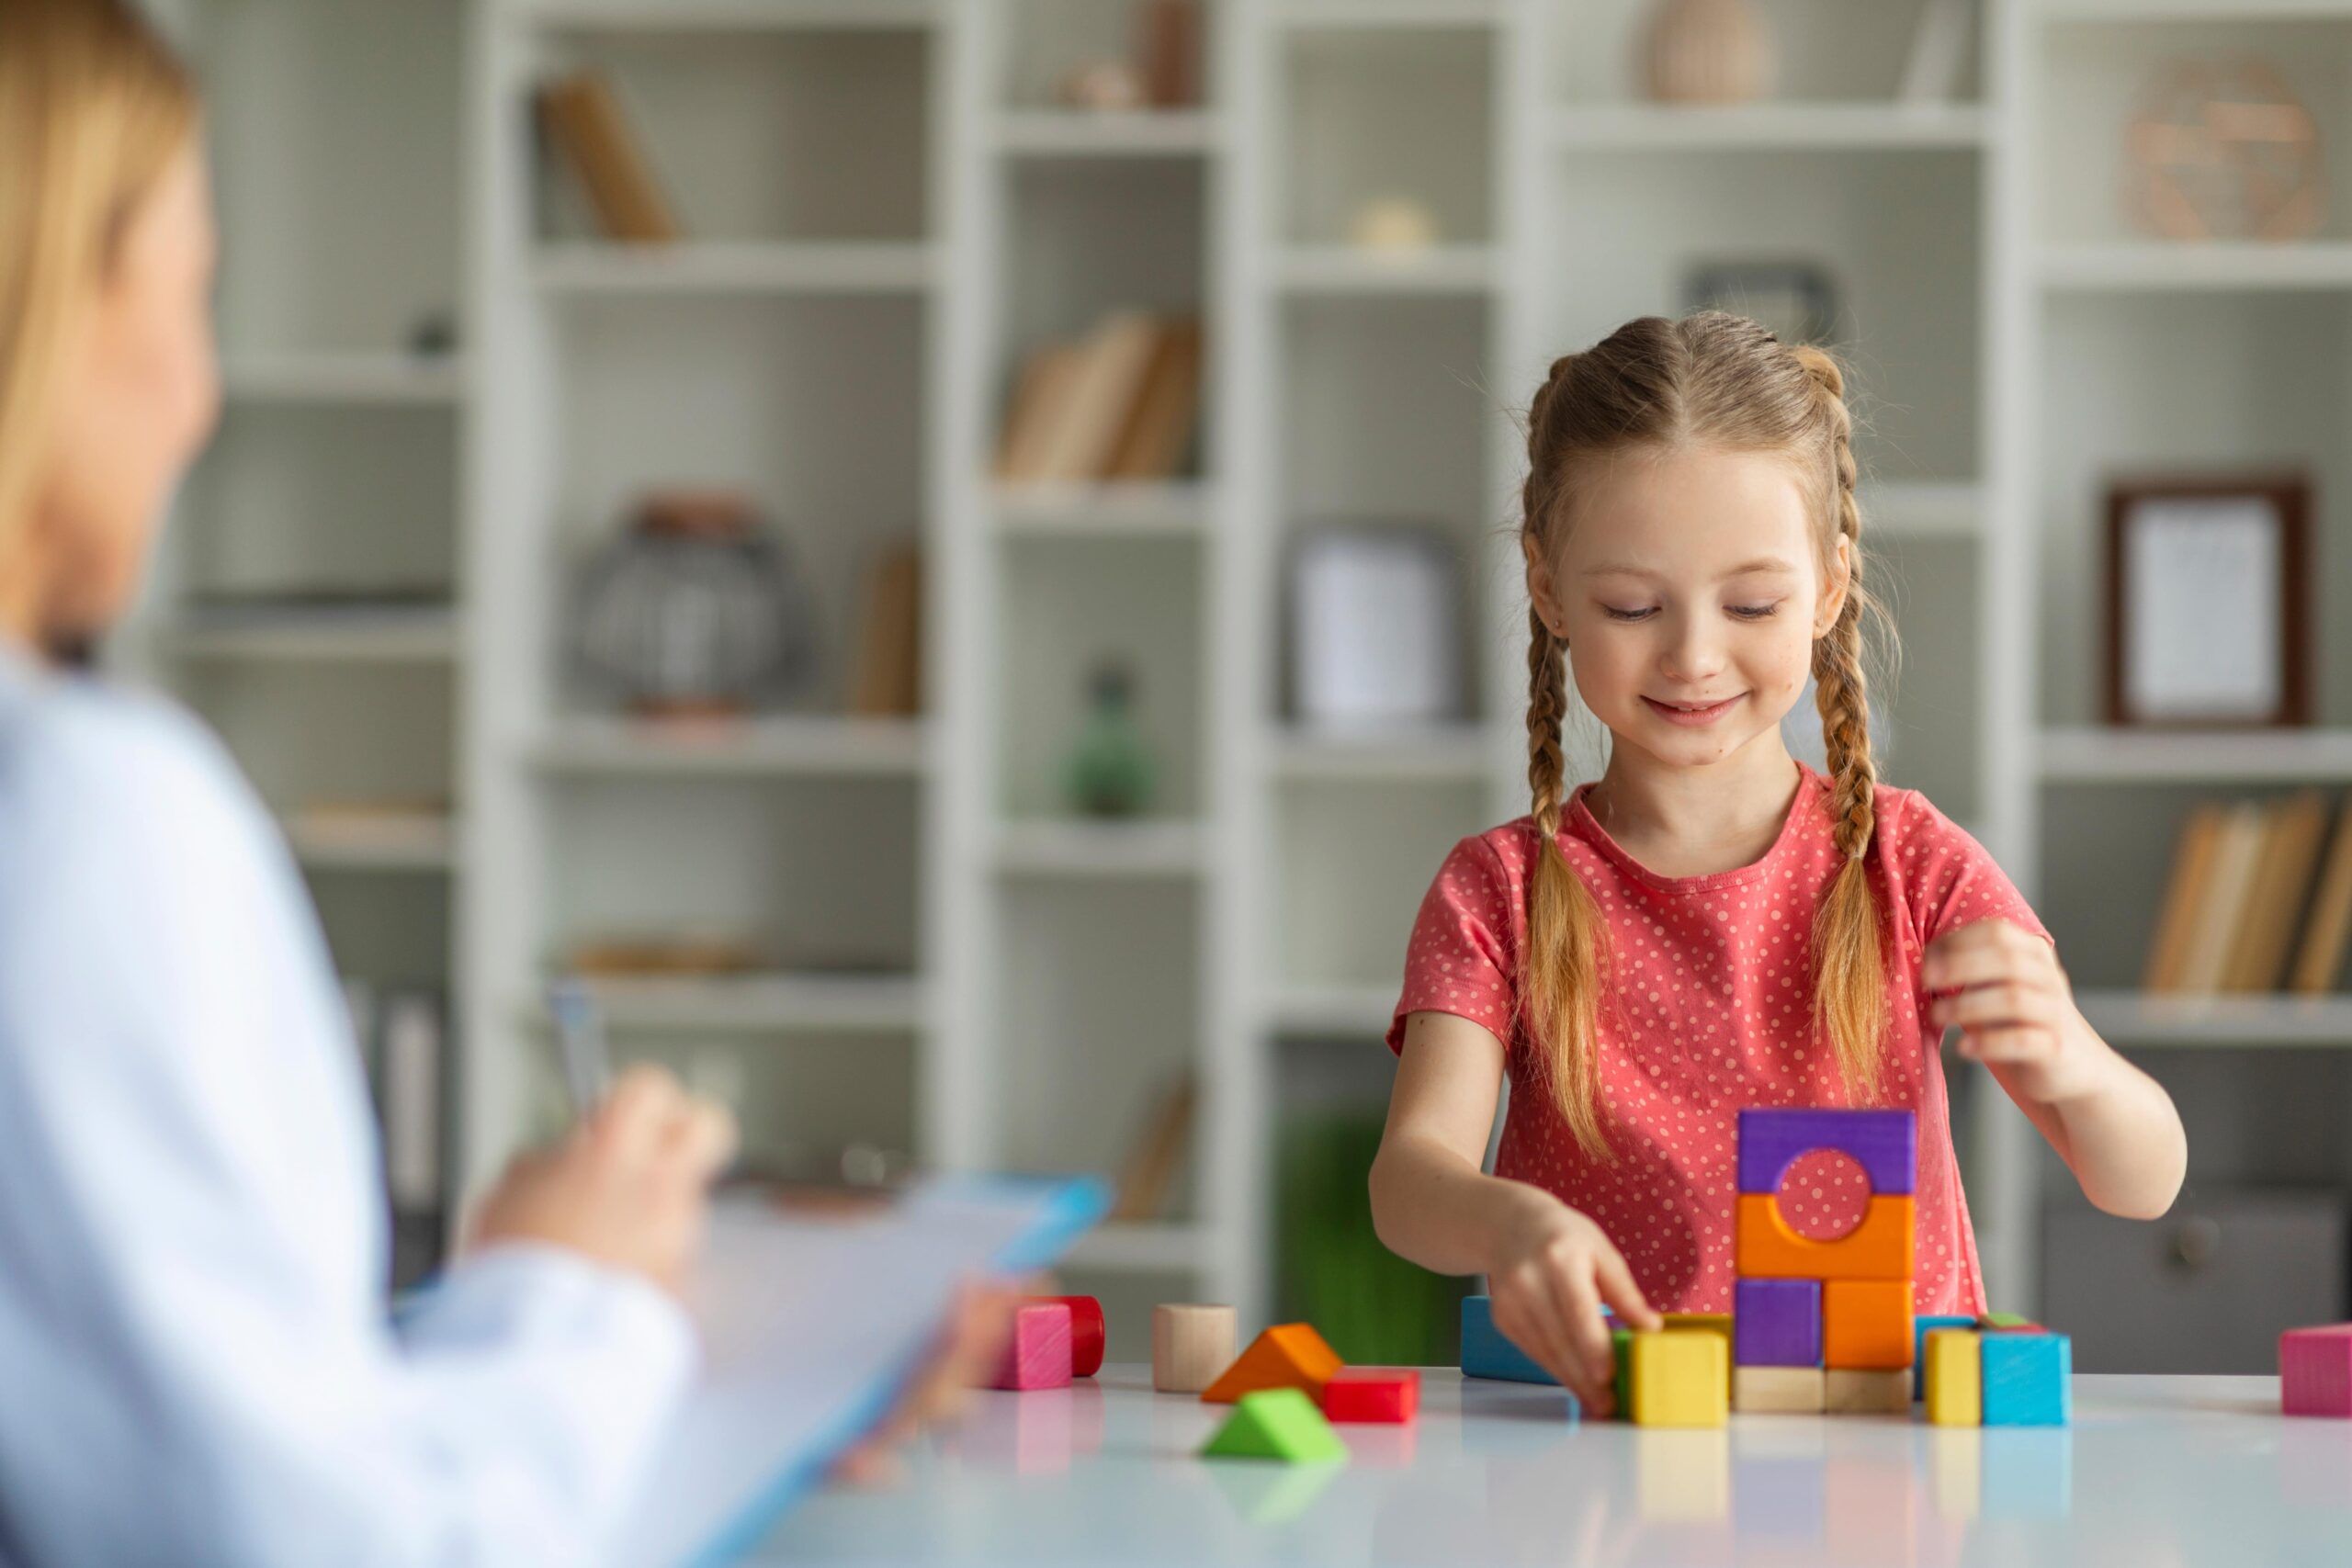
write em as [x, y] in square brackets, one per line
[1712, 924]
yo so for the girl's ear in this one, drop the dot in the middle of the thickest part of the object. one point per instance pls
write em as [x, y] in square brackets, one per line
[1541, 591]
[1841, 577]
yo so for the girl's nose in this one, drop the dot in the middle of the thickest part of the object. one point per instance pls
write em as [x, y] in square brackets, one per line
[1692, 653]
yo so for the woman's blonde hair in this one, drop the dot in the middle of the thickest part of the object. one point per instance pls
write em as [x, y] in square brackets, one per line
[1718, 380]
[93, 107]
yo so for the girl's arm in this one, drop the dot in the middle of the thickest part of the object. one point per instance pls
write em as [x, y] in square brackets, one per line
[1549, 1266]
[2114, 1125]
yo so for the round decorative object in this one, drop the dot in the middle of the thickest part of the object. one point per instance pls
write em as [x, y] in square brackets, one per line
[2224, 150]
[1707, 52]
[1110, 769]
[697, 609]
[1393, 223]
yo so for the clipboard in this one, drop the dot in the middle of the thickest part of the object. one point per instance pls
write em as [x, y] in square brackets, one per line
[812, 1322]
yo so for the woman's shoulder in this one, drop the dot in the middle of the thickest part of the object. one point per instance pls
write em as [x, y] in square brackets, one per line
[86, 762]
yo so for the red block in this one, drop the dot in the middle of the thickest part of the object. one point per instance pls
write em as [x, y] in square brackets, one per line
[1086, 1332]
[2315, 1371]
[1372, 1394]
[1039, 1354]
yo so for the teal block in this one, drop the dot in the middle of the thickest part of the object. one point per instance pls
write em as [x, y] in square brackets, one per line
[1920, 1328]
[1487, 1353]
[2028, 1379]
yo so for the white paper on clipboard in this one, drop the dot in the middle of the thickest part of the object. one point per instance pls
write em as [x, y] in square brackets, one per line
[810, 1327]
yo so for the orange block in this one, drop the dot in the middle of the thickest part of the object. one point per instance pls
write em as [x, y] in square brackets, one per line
[1866, 1325]
[1878, 1248]
[1291, 1355]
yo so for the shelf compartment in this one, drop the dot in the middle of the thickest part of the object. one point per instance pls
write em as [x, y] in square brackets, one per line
[1897, 232]
[1343, 270]
[753, 747]
[2134, 1020]
[2157, 266]
[1086, 133]
[1178, 509]
[840, 1005]
[714, 266]
[1830, 53]
[812, 874]
[389, 634]
[403, 843]
[1049, 39]
[356, 380]
[2095, 75]
[312, 734]
[1332, 1012]
[744, 129]
[1147, 1247]
[1346, 144]
[1453, 752]
[734, 16]
[1111, 851]
[1353, 865]
[334, 129]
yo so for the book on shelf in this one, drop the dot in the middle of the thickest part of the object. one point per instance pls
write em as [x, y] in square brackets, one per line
[2321, 958]
[400, 1036]
[887, 679]
[587, 126]
[2257, 900]
[1150, 1167]
[1120, 403]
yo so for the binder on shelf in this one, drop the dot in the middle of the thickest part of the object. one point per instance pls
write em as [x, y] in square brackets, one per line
[1121, 403]
[1151, 1164]
[584, 120]
[1041, 399]
[2282, 882]
[2234, 861]
[2321, 959]
[1116, 357]
[1159, 426]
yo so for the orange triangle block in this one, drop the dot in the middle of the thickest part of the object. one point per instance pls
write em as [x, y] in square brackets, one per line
[1291, 1355]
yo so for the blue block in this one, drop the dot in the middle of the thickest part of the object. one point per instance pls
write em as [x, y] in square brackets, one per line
[1486, 1353]
[1919, 1326]
[2028, 1379]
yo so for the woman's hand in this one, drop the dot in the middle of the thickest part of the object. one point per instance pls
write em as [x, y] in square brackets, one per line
[628, 1187]
[2015, 1009]
[1549, 1279]
[967, 1351]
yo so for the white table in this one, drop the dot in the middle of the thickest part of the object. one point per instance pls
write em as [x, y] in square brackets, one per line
[2154, 1472]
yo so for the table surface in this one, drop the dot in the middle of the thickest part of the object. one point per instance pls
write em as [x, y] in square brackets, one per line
[2154, 1471]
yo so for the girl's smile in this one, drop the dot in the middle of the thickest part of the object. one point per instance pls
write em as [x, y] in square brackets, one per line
[1692, 715]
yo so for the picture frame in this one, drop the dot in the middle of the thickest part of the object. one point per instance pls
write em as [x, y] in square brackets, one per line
[2208, 602]
[1375, 626]
[1793, 299]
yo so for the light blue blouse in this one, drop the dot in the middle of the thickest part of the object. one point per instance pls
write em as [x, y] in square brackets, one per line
[195, 1362]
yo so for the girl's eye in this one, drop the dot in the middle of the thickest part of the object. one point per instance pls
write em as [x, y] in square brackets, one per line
[1614, 614]
[1753, 611]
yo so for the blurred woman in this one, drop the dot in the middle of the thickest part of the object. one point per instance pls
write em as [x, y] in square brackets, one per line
[195, 1362]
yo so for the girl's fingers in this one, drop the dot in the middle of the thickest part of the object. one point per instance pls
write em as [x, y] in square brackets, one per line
[2004, 1003]
[1536, 1329]
[2018, 1044]
[1624, 1298]
[701, 1138]
[636, 1116]
[1589, 1332]
[1989, 949]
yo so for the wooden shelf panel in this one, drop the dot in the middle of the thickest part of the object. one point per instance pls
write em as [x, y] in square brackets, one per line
[726, 267]
[733, 15]
[1146, 850]
[2095, 753]
[764, 1004]
[358, 379]
[2136, 266]
[1080, 133]
[752, 748]
[2133, 1018]
[1760, 126]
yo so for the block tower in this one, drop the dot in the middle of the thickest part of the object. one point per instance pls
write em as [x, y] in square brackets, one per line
[1824, 1325]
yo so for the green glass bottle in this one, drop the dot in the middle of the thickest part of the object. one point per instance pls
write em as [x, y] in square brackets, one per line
[1110, 769]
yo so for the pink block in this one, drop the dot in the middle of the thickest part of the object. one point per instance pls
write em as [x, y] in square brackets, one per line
[1039, 1355]
[1371, 1393]
[2315, 1371]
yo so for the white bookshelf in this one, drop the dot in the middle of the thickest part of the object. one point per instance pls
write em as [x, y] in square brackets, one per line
[887, 210]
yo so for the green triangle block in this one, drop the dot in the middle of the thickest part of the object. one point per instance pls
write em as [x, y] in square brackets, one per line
[1276, 1423]
[2006, 1320]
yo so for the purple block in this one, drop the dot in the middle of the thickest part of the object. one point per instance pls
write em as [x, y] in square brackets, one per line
[1885, 1143]
[1776, 1323]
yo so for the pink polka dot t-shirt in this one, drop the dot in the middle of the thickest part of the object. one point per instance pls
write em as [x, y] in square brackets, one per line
[1713, 1010]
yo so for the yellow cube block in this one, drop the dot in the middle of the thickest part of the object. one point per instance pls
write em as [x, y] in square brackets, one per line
[1705, 1322]
[1955, 1377]
[1681, 1379]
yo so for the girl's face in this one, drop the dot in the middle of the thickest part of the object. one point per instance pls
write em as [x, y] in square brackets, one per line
[1688, 591]
[141, 391]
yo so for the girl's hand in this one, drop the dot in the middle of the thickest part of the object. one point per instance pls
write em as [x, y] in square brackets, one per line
[2015, 1009]
[1550, 1275]
[627, 1187]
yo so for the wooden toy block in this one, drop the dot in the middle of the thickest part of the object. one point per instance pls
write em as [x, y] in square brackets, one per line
[2315, 1371]
[1885, 1143]
[1921, 1327]
[1779, 1390]
[1681, 1379]
[1190, 1343]
[1955, 1373]
[1764, 1247]
[1291, 1355]
[1853, 1390]
[1372, 1393]
[1621, 1349]
[1039, 1356]
[1866, 1323]
[2007, 1320]
[1277, 1424]
[2028, 1379]
[1486, 1353]
[1776, 1323]
[1086, 1332]
[1705, 1322]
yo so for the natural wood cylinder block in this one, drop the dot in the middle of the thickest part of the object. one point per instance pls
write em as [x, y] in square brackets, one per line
[1189, 1346]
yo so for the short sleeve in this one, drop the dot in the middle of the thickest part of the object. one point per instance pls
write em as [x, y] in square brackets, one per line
[1462, 958]
[1950, 880]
